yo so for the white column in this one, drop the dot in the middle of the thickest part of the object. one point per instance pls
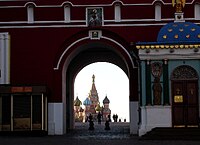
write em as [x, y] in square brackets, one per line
[55, 119]
[2, 63]
[67, 13]
[134, 117]
[30, 13]
[117, 13]
[4, 58]
[197, 11]
[157, 12]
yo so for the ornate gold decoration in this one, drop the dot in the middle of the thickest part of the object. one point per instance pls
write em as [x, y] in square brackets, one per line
[170, 30]
[178, 99]
[199, 36]
[176, 36]
[185, 46]
[181, 29]
[193, 29]
[187, 36]
[180, 4]
[165, 36]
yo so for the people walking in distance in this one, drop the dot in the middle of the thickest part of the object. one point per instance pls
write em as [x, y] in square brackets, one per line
[115, 117]
[107, 125]
[109, 119]
[91, 123]
[99, 116]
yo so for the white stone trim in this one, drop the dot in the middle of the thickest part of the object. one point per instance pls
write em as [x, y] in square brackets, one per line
[89, 5]
[55, 119]
[182, 53]
[85, 38]
[4, 58]
[197, 11]
[134, 116]
[158, 12]
[62, 55]
[154, 116]
[30, 13]
[117, 12]
[67, 13]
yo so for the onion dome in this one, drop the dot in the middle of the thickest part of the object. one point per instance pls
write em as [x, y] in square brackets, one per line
[87, 102]
[106, 100]
[98, 108]
[178, 32]
[77, 102]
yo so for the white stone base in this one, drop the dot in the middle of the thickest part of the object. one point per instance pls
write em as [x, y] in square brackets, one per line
[55, 119]
[154, 116]
[134, 117]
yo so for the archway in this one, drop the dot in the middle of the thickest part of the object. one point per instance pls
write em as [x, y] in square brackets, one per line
[85, 51]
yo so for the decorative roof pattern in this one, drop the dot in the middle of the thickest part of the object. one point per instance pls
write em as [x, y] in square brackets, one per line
[178, 32]
[184, 72]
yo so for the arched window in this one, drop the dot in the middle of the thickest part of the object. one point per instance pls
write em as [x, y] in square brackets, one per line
[117, 12]
[67, 13]
[158, 12]
[30, 13]
[184, 72]
[197, 11]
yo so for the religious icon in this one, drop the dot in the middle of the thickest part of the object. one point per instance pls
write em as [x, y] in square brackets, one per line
[156, 69]
[94, 16]
[157, 91]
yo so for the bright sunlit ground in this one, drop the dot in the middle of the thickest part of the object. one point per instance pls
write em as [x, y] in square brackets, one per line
[110, 80]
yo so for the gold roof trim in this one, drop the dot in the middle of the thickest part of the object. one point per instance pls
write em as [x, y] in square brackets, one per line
[163, 46]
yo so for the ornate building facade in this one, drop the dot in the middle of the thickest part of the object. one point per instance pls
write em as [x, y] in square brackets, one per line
[91, 106]
[44, 44]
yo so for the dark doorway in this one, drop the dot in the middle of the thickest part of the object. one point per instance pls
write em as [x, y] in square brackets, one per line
[185, 108]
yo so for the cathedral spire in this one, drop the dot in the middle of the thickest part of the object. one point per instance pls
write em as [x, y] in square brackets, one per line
[93, 79]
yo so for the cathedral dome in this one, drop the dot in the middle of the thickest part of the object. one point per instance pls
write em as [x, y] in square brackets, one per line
[178, 32]
[106, 100]
[87, 102]
[98, 108]
[77, 102]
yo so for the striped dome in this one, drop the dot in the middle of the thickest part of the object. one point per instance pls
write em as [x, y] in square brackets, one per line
[177, 32]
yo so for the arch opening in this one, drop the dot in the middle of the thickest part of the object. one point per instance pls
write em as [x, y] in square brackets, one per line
[97, 90]
[97, 51]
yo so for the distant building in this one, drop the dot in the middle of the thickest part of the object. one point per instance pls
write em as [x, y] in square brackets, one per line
[92, 106]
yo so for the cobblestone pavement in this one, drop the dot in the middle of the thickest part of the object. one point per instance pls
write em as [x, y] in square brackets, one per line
[118, 135]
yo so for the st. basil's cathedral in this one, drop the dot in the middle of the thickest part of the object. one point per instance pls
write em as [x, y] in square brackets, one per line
[92, 106]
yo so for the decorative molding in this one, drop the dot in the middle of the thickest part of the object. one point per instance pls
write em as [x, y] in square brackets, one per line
[95, 34]
[95, 5]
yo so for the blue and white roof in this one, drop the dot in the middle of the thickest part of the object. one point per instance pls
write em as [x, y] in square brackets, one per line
[179, 32]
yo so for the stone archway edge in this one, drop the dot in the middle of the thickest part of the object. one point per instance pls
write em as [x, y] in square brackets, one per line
[85, 38]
